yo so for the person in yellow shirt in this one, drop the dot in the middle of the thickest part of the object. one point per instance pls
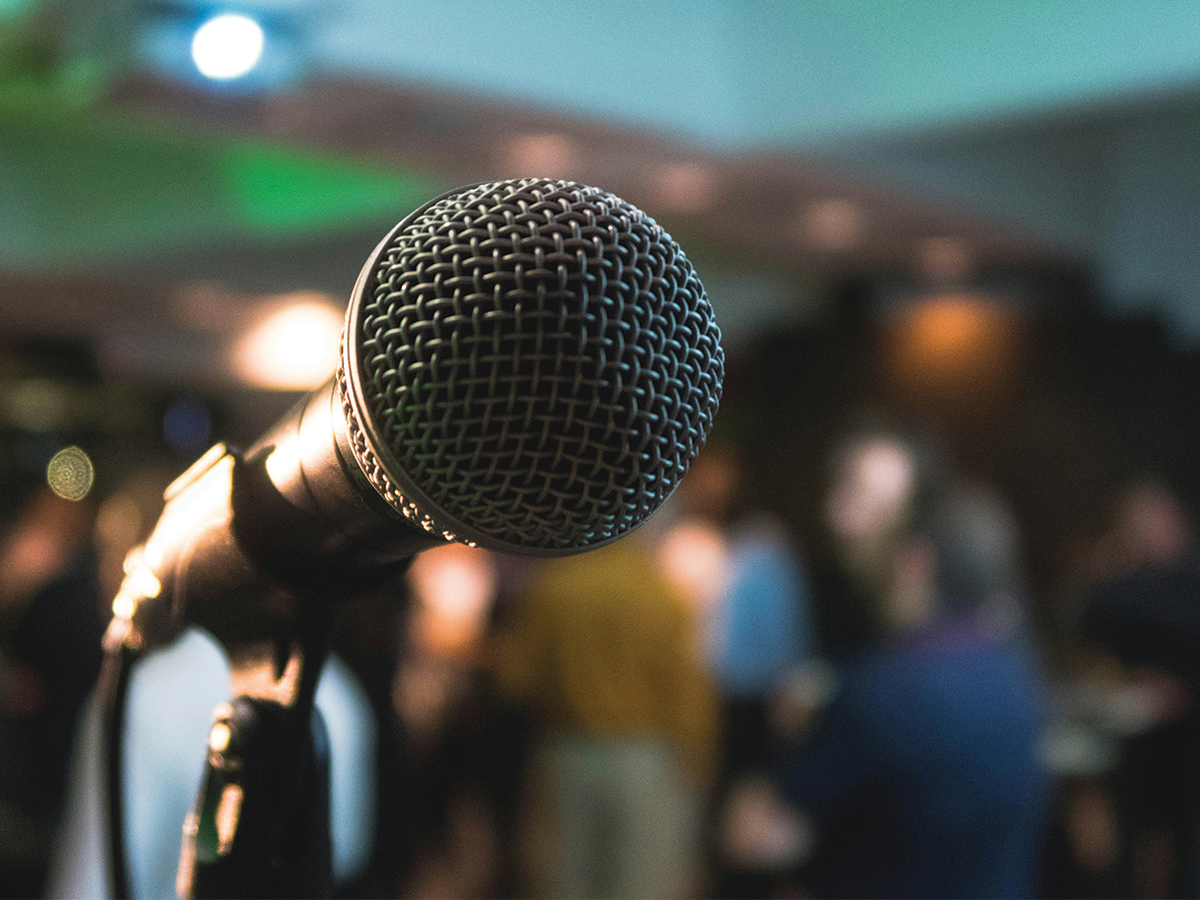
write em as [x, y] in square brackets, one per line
[602, 651]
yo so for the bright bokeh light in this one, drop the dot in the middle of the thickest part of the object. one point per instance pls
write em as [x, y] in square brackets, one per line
[870, 494]
[835, 225]
[694, 557]
[956, 348]
[454, 588]
[550, 155]
[227, 46]
[953, 332]
[70, 473]
[295, 348]
[686, 187]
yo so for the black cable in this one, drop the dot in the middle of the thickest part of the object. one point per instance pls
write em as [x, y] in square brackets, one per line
[112, 694]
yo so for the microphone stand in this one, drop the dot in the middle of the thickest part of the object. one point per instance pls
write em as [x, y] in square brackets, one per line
[260, 827]
[122, 646]
[261, 823]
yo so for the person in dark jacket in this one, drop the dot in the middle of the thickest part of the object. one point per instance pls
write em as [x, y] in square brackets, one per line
[923, 778]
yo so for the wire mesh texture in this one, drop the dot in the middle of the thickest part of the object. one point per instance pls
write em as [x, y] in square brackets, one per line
[540, 363]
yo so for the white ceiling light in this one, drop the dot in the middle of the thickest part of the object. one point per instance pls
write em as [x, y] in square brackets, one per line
[227, 46]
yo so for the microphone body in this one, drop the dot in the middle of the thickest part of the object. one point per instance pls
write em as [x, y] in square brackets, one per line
[247, 542]
[527, 366]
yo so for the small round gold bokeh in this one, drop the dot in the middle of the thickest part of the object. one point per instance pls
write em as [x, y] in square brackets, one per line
[70, 473]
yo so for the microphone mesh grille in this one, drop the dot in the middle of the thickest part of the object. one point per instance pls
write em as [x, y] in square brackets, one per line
[541, 361]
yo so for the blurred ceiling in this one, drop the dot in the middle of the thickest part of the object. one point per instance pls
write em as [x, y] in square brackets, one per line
[782, 143]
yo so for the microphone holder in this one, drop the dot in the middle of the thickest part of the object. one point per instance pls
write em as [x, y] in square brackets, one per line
[260, 827]
[261, 823]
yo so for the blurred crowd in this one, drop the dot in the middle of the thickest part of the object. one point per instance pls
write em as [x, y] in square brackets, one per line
[705, 708]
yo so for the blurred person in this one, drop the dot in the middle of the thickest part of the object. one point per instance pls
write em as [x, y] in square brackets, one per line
[602, 650]
[757, 625]
[368, 639]
[451, 757]
[923, 778]
[1150, 529]
[745, 577]
[49, 661]
[882, 485]
[1144, 608]
[881, 480]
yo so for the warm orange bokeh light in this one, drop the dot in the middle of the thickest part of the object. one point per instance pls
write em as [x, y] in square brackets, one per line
[954, 346]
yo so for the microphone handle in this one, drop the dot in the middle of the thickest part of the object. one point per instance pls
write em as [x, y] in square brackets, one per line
[247, 541]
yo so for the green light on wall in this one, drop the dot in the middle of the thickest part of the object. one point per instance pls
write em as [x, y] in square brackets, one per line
[80, 188]
[14, 8]
[279, 192]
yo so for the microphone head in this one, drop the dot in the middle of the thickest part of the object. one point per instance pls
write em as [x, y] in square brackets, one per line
[529, 366]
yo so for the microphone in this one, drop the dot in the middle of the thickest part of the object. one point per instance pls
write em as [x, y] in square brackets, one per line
[528, 366]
